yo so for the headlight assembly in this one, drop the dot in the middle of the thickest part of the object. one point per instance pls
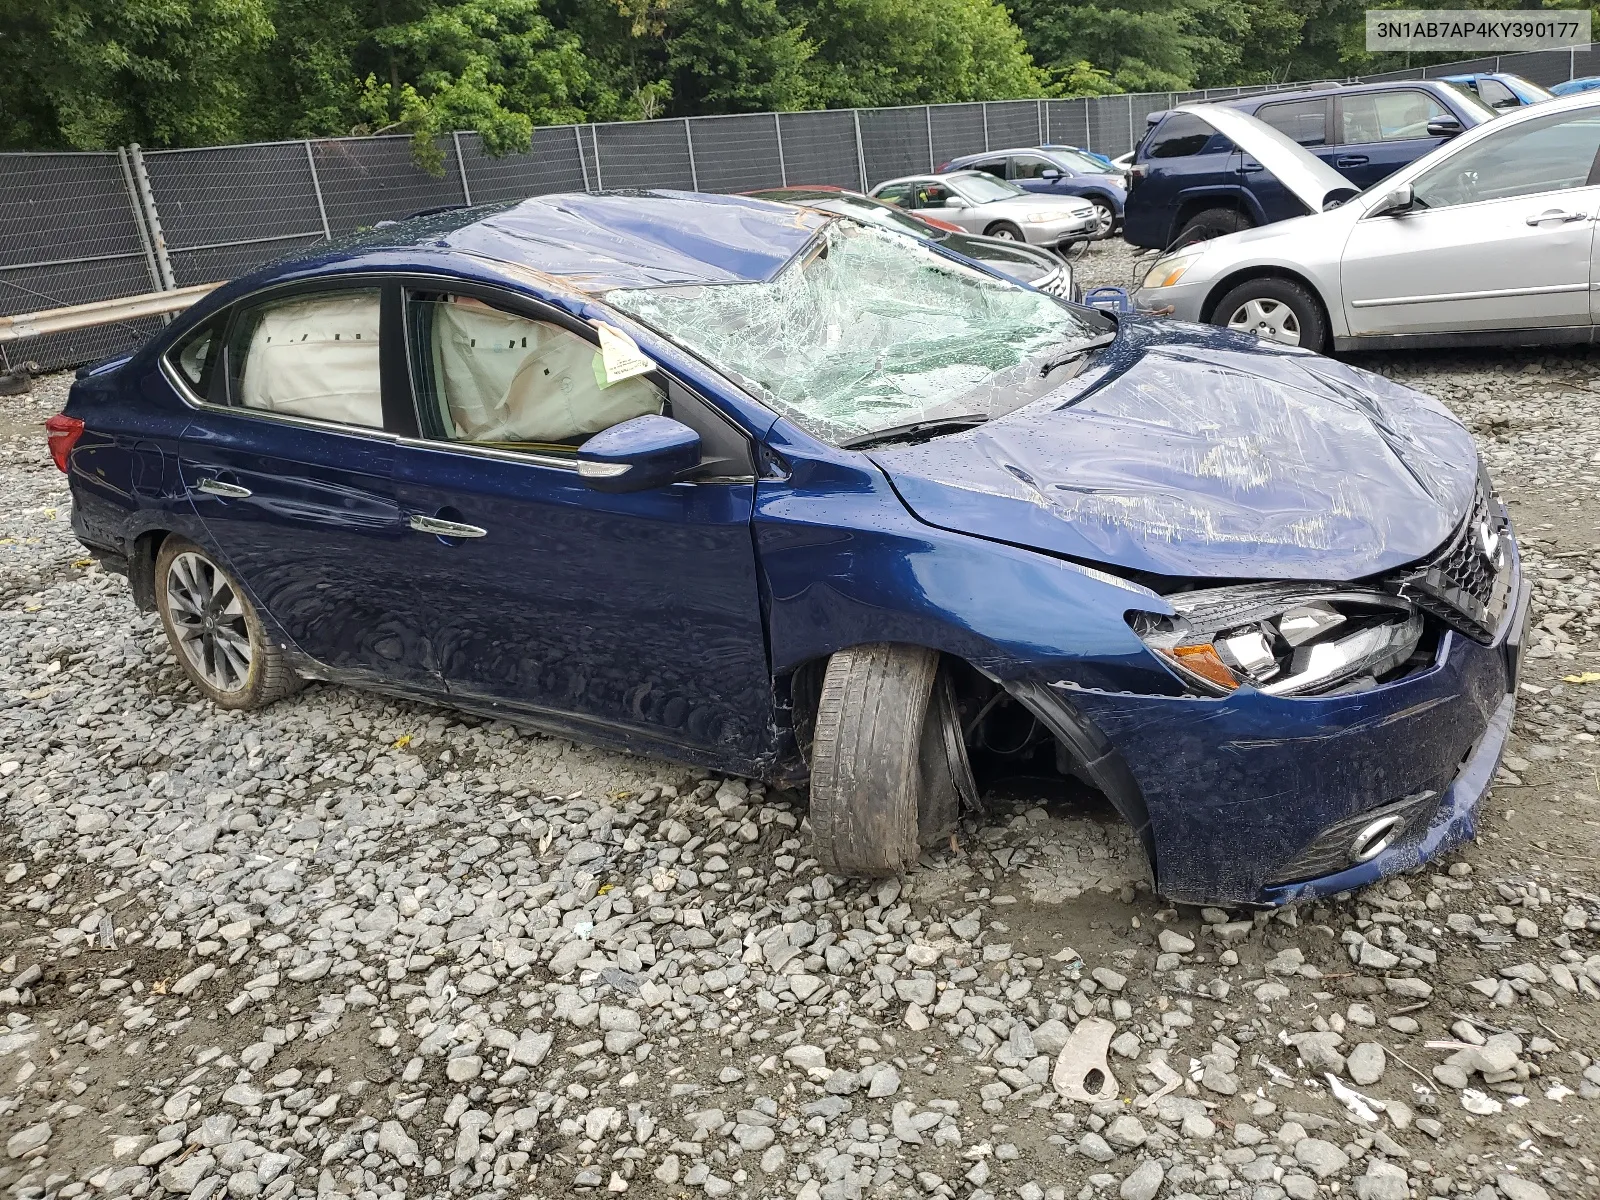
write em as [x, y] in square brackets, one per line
[1167, 271]
[1285, 639]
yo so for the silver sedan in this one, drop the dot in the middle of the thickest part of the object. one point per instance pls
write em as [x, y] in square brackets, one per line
[980, 203]
[1487, 239]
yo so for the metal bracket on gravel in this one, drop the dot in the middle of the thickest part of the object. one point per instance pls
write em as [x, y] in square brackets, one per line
[1083, 1064]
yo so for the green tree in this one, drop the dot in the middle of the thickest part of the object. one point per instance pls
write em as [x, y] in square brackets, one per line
[88, 74]
[734, 56]
[886, 52]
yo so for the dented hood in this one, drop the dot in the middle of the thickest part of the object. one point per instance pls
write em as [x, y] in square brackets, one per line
[1204, 454]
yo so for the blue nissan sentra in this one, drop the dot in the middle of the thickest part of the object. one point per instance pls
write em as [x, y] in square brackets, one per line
[771, 491]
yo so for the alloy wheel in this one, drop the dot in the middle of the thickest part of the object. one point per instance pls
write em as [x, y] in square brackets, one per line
[1105, 218]
[1272, 320]
[208, 617]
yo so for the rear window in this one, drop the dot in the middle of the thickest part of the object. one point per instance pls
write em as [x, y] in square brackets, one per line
[1179, 135]
[1306, 121]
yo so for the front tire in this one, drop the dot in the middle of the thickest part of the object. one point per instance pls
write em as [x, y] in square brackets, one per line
[1005, 231]
[1106, 217]
[888, 762]
[214, 631]
[1275, 310]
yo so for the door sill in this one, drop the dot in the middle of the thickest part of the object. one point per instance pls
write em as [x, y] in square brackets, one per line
[1549, 335]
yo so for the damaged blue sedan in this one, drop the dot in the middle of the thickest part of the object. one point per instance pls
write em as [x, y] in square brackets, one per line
[774, 492]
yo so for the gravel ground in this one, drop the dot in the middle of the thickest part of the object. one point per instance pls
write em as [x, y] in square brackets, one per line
[348, 945]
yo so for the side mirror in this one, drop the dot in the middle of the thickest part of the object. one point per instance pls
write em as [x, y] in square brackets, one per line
[1396, 201]
[1445, 127]
[1049, 173]
[638, 455]
[954, 201]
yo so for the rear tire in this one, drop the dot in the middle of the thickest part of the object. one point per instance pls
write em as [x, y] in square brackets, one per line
[1005, 231]
[1213, 222]
[1275, 310]
[214, 631]
[888, 763]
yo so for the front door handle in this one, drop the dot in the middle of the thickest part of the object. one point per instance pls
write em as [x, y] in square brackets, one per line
[215, 487]
[442, 528]
[1350, 160]
[1557, 215]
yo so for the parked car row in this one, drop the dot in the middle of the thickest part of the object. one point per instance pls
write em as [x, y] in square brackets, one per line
[1487, 239]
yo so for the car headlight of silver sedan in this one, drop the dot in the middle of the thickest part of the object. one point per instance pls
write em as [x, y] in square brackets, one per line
[1170, 268]
[1285, 639]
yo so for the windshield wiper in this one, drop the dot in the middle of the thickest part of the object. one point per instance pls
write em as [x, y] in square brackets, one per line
[1099, 343]
[915, 429]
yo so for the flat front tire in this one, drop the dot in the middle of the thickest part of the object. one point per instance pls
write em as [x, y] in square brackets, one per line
[214, 630]
[888, 762]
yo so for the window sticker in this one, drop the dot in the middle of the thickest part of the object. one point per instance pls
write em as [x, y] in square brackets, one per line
[620, 357]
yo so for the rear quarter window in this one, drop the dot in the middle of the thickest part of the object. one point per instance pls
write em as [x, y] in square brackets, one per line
[1180, 135]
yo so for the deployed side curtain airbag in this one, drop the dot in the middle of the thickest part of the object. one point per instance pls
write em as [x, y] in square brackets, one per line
[318, 357]
[508, 379]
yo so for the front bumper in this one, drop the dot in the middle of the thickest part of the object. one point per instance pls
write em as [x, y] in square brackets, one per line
[1233, 789]
[1182, 302]
[1053, 233]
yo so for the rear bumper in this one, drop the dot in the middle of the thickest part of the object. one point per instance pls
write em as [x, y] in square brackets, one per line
[1233, 789]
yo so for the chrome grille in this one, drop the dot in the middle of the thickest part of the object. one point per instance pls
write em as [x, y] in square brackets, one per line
[1057, 283]
[1467, 584]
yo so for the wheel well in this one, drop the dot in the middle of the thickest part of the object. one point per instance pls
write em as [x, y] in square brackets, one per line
[1228, 282]
[993, 225]
[1008, 721]
[142, 568]
[1192, 208]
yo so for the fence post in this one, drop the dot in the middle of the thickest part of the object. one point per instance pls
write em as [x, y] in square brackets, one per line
[783, 169]
[1044, 107]
[927, 111]
[139, 220]
[158, 240]
[985, 107]
[1039, 121]
[316, 186]
[861, 154]
[583, 161]
[599, 179]
[694, 174]
[461, 165]
[1131, 142]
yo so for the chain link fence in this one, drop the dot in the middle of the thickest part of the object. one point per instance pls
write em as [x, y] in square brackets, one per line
[76, 228]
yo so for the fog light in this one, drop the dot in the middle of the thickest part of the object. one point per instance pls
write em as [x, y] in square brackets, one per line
[1375, 837]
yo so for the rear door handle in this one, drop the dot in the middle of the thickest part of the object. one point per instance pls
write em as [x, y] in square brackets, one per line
[215, 487]
[442, 528]
[1350, 160]
[1557, 215]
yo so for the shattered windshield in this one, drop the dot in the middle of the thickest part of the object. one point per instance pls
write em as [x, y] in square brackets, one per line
[870, 330]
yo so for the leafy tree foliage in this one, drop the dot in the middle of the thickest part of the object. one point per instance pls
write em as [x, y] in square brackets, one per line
[83, 74]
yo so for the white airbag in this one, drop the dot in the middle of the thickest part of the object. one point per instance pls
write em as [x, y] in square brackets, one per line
[318, 357]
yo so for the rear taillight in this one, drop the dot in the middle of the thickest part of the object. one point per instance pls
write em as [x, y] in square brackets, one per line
[63, 432]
